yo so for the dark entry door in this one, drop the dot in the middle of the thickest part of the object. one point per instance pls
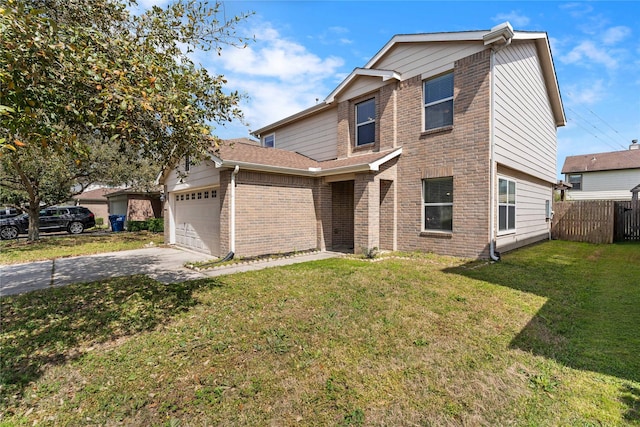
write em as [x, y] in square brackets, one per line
[342, 215]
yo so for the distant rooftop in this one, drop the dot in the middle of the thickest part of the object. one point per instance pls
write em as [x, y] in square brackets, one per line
[615, 160]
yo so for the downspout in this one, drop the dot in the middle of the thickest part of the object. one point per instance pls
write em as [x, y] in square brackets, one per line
[493, 254]
[232, 225]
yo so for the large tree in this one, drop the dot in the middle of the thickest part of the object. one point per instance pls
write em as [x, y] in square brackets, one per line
[51, 177]
[73, 72]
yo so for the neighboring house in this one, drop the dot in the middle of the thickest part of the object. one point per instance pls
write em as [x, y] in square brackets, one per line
[95, 201]
[442, 142]
[135, 205]
[603, 176]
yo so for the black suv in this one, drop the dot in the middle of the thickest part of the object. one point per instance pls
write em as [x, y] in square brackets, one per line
[9, 213]
[73, 219]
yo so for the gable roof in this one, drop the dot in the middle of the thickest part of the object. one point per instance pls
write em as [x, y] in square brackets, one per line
[97, 195]
[540, 39]
[615, 160]
[255, 157]
[487, 37]
[130, 191]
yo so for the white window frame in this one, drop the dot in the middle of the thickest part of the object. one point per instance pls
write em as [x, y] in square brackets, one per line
[271, 136]
[573, 188]
[433, 103]
[507, 204]
[368, 122]
[425, 204]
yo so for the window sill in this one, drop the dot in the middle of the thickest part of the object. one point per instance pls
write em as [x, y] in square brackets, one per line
[437, 130]
[366, 146]
[437, 234]
[506, 233]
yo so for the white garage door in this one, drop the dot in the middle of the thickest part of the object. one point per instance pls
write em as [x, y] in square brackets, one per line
[198, 220]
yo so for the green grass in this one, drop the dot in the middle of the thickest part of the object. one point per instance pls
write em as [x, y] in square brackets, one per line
[547, 337]
[19, 251]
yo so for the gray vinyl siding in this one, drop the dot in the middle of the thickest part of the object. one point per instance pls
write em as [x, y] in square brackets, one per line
[525, 131]
[531, 222]
[426, 59]
[361, 86]
[606, 185]
[315, 137]
[410, 60]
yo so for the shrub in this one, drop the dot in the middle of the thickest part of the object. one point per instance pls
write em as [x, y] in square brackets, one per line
[155, 225]
[137, 225]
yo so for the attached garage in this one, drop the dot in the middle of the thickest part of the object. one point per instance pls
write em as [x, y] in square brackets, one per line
[197, 220]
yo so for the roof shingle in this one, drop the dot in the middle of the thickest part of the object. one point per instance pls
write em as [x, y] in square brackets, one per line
[240, 151]
[628, 159]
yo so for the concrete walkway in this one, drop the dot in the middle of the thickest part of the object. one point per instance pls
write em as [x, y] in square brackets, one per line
[163, 264]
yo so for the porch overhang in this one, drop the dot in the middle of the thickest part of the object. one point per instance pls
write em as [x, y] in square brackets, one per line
[367, 163]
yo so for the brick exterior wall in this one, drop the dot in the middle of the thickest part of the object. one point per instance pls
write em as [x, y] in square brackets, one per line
[344, 130]
[387, 215]
[461, 151]
[225, 209]
[366, 212]
[387, 110]
[322, 197]
[274, 213]
[141, 208]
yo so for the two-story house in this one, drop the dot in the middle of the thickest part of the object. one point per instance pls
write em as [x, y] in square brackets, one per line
[603, 176]
[442, 142]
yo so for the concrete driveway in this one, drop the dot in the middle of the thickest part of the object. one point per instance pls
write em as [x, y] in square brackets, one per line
[162, 264]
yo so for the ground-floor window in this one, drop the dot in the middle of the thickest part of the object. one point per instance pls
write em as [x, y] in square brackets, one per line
[437, 199]
[506, 204]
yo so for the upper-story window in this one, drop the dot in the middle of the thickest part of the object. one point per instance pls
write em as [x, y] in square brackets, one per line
[366, 122]
[576, 181]
[438, 102]
[269, 141]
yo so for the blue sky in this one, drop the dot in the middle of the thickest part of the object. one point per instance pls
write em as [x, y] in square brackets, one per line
[304, 49]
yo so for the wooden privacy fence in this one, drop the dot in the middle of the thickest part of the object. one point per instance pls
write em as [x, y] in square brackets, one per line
[584, 221]
[596, 221]
[627, 227]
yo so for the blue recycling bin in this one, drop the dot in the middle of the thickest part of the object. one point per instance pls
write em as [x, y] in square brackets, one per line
[117, 222]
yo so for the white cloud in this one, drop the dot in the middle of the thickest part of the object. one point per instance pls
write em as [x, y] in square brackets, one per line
[280, 76]
[276, 57]
[615, 35]
[515, 18]
[577, 10]
[586, 93]
[586, 52]
[272, 100]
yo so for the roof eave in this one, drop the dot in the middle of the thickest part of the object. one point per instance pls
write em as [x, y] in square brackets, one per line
[373, 166]
[425, 38]
[265, 168]
[549, 72]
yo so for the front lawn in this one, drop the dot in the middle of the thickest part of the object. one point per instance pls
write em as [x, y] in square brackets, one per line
[548, 336]
[88, 243]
